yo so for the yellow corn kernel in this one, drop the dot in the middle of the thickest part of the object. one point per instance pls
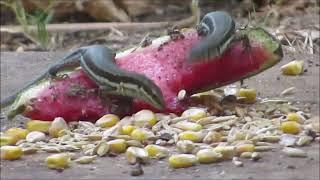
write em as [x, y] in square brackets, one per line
[194, 114]
[244, 148]
[145, 118]
[182, 160]
[156, 151]
[191, 135]
[11, 152]
[108, 120]
[58, 161]
[140, 134]
[37, 125]
[57, 125]
[7, 140]
[206, 156]
[117, 146]
[292, 68]
[293, 117]
[248, 95]
[127, 129]
[135, 153]
[188, 126]
[227, 151]
[17, 133]
[290, 127]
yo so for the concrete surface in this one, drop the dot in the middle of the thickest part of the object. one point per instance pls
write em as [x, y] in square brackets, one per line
[19, 68]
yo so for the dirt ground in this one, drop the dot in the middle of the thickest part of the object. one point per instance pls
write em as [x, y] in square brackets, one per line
[18, 68]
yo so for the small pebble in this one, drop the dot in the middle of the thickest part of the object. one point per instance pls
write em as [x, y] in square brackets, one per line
[287, 140]
[236, 162]
[291, 167]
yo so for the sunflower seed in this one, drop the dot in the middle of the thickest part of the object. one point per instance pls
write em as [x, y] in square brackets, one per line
[51, 149]
[101, 149]
[294, 152]
[29, 150]
[85, 159]
[304, 140]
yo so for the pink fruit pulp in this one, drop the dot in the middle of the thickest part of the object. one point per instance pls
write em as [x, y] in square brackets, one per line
[168, 68]
[57, 101]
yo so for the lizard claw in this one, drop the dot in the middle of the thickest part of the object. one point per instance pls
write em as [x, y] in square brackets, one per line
[218, 28]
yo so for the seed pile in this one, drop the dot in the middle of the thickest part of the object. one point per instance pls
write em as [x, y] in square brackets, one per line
[222, 126]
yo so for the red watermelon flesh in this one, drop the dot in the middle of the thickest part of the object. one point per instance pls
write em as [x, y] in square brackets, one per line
[168, 68]
[166, 65]
[73, 98]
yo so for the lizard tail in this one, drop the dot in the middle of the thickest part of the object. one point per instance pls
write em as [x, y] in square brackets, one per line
[8, 101]
[64, 62]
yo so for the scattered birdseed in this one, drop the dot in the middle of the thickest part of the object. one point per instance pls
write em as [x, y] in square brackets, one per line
[199, 135]
[85, 159]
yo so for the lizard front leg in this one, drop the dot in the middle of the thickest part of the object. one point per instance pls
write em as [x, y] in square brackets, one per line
[118, 104]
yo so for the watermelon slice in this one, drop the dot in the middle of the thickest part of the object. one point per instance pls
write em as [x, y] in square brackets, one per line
[164, 61]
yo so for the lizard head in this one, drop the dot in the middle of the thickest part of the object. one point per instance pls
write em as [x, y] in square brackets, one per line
[217, 28]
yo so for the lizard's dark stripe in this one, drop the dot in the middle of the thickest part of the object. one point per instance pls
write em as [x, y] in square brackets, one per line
[113, 73]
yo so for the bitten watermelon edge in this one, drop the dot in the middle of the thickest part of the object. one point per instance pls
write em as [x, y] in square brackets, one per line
[164, 61]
